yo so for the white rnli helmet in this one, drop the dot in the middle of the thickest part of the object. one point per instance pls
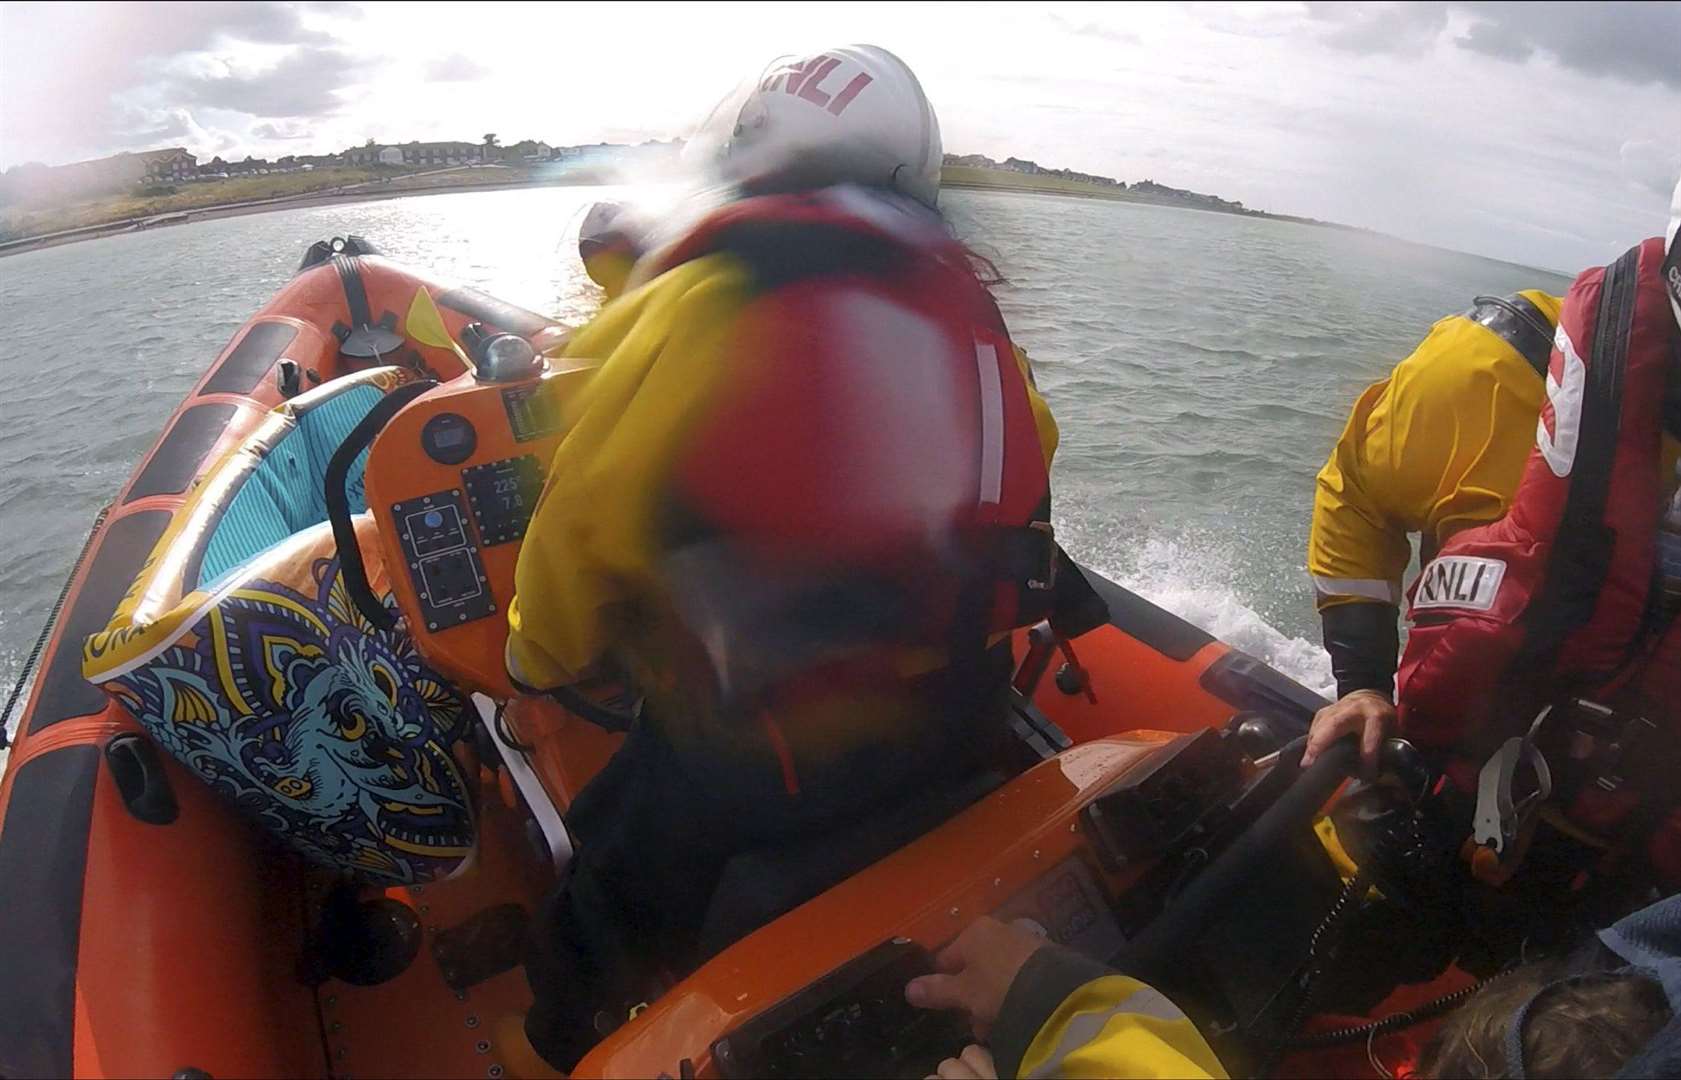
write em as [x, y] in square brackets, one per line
[853, 114]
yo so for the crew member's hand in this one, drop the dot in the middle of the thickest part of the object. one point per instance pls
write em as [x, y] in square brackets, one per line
[975, 972]
[1366, 711]
[975, 1063]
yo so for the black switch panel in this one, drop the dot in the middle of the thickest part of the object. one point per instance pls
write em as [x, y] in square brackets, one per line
[853, 1021]
[442, 560]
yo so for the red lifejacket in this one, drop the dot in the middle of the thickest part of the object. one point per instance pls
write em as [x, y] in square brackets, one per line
[1554, 598]
[887, 409]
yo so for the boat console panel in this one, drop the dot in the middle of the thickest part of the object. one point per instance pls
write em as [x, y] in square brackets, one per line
[445, 568]
[852, 1022]
[1020, 853]
[1030, 851]
[452, 482]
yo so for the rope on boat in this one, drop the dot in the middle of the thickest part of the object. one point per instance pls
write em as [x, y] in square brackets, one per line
[47, 630]
[1393, 1022]
[1326, 938]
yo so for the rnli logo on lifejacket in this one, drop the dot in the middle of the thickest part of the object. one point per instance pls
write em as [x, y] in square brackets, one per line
[1560, 425]
[1459, 581]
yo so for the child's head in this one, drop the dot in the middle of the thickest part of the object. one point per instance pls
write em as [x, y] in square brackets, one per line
[1576, 1024]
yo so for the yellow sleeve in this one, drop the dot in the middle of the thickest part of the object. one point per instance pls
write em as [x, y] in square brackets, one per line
[1436, 448]
[1042, 418]
[1118, 1027]
[1357, 550]
[589, 550]
[1461, 426]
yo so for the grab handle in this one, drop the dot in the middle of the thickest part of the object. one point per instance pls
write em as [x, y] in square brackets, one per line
[338, 502]
[141, 781]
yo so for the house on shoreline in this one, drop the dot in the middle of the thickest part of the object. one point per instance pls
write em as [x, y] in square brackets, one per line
[422, 154]
[172, 163]
[1146, 190]
[1031, 168]
[34, 182]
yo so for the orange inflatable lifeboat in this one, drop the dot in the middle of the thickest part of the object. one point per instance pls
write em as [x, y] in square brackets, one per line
[274, 810]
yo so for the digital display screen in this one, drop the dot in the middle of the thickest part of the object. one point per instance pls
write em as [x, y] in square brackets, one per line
[502, 495]
[531, 413]
[450, 578]
[448, 438]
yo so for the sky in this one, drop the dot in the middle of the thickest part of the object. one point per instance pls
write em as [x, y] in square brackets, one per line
[1547, 134]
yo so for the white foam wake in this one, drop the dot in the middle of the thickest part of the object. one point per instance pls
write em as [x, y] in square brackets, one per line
[11, 663]
[1194, 580]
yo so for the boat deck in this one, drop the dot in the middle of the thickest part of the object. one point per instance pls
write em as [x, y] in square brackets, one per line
[416, 1025]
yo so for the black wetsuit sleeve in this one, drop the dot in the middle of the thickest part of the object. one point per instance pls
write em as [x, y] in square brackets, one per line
[1041, 986]
[1365, 644]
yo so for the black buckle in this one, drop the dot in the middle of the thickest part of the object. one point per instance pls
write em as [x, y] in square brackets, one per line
[1610, 763]
[1048, 581]
[1605, 744]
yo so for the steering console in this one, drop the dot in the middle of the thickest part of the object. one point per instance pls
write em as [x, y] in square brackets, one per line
[453, 475]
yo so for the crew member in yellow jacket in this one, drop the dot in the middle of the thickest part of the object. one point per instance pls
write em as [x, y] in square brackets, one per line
[1437, 447]
[1047, 1011]
[798, 507]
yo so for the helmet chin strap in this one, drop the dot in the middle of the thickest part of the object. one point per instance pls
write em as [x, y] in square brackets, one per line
[1672, 255]
[1672, 274]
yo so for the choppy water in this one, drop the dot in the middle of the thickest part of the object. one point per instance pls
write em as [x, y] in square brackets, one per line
[1200, 366]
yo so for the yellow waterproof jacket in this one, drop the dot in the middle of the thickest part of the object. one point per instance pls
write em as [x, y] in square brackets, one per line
[1068, 1016]
[586, 582]
[1436, 447]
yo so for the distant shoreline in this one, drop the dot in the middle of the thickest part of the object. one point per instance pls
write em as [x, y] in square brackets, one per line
[964, 180]
[1134, 200]
[264, 206]
[973, 178]
[365, 193]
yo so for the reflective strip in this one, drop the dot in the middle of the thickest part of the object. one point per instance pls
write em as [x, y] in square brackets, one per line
[888, 215]
[515, 671]
[1084, 1028]
[1563, 408]
[1365, 588]
[992, 423]
[536, 795]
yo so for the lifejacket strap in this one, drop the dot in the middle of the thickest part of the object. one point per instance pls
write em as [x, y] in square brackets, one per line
[1076, 607]
[1584, 545]
[585, 707]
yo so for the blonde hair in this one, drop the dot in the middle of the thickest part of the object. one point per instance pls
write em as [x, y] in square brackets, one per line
[1585, 1024]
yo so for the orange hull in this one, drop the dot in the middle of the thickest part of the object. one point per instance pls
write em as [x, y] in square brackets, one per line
[132, 949]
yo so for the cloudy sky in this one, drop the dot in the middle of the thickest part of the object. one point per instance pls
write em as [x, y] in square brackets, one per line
[1544, 133]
